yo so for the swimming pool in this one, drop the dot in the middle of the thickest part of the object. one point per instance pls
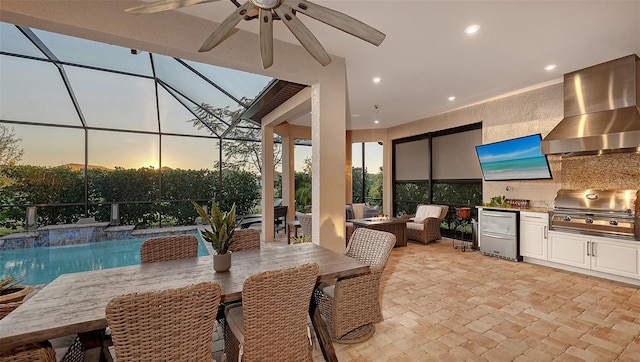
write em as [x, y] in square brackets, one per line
[34, 266]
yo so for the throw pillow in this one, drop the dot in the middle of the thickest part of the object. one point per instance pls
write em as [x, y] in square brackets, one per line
[349, 212]
[370, 211]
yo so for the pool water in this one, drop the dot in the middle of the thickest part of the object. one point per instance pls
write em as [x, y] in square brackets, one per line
[32, 266]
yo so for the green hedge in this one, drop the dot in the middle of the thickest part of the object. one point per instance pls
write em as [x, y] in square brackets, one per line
[146, 196]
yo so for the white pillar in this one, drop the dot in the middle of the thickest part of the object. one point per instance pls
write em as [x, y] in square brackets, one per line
[328, 136]
[267, 183]
[288, 177]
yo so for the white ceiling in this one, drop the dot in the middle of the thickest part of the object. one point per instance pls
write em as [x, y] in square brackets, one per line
[426, 57]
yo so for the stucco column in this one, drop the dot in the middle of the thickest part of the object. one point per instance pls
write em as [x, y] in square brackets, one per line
[267, 183]
[348, 170]
[328, 136]
[387, 179]
[288, 177]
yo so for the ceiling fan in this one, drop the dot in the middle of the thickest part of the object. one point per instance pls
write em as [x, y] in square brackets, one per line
[269, 10]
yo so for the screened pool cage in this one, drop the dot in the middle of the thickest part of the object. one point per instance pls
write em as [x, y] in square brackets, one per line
[127, 127]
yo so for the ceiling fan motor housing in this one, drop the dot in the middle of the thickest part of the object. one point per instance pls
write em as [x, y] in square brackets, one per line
[266, 4]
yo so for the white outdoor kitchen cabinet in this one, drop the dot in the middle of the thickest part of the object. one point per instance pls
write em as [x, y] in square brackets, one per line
[534, 228]
[601, 254]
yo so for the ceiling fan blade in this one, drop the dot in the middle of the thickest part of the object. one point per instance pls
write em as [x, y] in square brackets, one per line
[303, 34]
[338, 20]
[164, 5]
[221, 33]
[266, 38]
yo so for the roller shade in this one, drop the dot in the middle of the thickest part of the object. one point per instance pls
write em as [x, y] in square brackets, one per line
[412, 160]
[454, 156]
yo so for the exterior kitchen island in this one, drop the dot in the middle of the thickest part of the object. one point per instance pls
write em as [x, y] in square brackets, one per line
[583, 237]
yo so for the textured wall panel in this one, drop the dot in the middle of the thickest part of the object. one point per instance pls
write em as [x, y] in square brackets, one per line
[606, 172]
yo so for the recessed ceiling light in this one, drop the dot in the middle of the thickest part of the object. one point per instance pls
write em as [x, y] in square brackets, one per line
[376, 121]
[472, 29]
[452, 98]
[377, 79]
[550, 67]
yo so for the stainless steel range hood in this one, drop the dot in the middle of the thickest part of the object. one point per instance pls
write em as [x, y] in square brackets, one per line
[601, 113]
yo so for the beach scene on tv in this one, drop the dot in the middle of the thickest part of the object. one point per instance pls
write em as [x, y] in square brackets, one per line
[515, 159]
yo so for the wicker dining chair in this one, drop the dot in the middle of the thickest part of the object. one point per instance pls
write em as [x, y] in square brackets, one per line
[245, 239]
[305, 223]
[167, 248]
[31, 352]
[271, 323]
[351, 306]
[168, 325]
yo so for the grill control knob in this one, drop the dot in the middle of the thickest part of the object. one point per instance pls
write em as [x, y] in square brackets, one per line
[567, 218]
[613, 222]
[589, 220]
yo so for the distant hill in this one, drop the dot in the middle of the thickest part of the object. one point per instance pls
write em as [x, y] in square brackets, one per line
[80, 166]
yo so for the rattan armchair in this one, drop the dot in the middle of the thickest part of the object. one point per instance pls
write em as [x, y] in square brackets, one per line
[167, 248]
[168, 325]
[426, 229]
[26, 353]
[351, 306]
[271, 323]
[245, 239]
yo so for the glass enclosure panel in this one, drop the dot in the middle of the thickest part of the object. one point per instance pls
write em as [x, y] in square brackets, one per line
[373, 168]
[242, 155]
[33, 91]
[195, 88]
[458, 194]
[187, 174]
[50, 171]
[111, 150]
[300, 154]
[246, 130]
[357, 187]
[114, 101]
[124, 170]
[239, 84]
[211, 124]
[49, 146]
[13, 41]
[95, 54]
[302, 175]
[367, 173]
[408, 195]
[175, 118]
[189, 153]
[277, 158]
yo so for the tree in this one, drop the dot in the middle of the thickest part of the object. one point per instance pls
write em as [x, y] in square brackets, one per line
[375, 191]
[242, 146]
[10, 153]
[303, 186]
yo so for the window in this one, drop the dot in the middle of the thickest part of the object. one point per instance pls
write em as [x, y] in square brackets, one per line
[440, 168]
[366, 173]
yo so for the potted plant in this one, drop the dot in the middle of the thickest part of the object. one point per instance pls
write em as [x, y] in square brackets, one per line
[300, 239]
[222, 227]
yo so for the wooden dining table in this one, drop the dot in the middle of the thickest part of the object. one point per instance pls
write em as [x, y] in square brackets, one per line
[75, 303]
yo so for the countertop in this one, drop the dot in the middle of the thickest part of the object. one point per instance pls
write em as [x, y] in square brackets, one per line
[517, 209]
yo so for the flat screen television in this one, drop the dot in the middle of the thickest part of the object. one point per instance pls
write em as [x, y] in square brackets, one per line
[514, 159]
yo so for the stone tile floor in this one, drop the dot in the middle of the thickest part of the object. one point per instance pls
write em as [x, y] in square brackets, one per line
[441, 304]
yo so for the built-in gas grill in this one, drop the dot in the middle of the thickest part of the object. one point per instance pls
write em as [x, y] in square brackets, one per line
[598, 212]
